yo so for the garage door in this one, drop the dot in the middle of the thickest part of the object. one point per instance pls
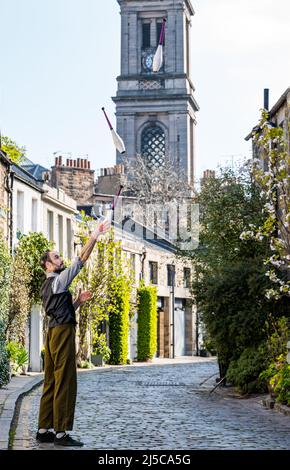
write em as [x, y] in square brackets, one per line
[179, 332]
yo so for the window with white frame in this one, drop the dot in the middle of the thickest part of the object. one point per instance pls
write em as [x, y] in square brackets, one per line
[50, 225]
[34, 209]
[69, 237]
[60, 234]
[20, 212]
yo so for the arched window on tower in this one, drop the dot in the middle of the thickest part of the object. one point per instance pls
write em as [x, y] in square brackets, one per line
[153, 146]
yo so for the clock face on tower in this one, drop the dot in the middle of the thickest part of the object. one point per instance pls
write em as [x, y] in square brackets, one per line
[147, 61]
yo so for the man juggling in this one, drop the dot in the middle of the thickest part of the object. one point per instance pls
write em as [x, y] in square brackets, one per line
[58, 399]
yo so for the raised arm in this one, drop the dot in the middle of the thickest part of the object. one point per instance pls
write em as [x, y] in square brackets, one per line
[62, 282]
[101, 228]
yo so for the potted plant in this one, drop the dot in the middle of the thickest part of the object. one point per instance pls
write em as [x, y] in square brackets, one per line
[101, 352]
[18, 358]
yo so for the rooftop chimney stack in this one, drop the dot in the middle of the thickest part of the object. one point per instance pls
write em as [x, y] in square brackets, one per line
[266, 99]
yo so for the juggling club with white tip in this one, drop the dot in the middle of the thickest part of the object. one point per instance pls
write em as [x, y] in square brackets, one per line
[118, 142]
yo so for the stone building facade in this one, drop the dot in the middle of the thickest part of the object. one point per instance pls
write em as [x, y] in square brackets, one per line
[156, 112]
[157, 264]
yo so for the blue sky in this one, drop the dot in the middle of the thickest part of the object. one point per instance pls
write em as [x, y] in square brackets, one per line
[60, 60]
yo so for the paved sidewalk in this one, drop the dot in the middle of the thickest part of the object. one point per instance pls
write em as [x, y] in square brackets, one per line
[12, 394]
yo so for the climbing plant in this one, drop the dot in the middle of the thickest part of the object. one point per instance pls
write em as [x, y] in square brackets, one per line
[30, 249]
[119, 295]
[19, 299]
[147, 322]
[5, 277]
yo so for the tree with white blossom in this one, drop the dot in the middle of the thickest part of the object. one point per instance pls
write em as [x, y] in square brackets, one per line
[273, 150]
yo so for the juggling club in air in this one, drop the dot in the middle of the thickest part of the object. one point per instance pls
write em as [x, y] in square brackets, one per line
[118, 142]
[109, 217]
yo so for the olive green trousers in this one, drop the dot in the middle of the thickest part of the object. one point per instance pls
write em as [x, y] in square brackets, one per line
[58, 399]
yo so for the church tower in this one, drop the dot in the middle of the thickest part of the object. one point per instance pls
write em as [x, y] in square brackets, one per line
[155, 112]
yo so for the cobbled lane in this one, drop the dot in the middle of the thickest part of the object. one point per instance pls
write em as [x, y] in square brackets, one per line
[160, 407]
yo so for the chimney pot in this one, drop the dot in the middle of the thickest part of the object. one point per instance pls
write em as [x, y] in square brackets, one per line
[60, 160]
[56, 161]
[75, 163]
[67, 162]
[89, 164]
[82, 163]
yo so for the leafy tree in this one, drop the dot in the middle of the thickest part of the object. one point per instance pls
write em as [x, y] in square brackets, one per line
[14, 151]
[230, 277]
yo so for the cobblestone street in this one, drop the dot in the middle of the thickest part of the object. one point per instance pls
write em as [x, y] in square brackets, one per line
[161, 407]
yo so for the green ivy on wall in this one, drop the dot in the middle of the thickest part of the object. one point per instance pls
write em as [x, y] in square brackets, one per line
[147, 322]
[31, 247]
[120, 291]
[19, 301]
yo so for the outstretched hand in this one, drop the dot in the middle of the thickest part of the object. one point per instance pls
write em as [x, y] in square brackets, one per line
[104, 226]
[84, 296]
[101, 228]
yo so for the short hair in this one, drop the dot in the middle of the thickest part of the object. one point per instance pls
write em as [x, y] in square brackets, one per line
[45, 257]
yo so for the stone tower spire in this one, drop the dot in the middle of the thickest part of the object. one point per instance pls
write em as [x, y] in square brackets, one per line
[156, 111]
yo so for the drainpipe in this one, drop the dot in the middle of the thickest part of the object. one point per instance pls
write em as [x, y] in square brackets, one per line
[197, 332]
[9, 180]
[143, 257]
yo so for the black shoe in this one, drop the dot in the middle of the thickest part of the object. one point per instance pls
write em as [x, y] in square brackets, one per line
[66, 440]
[47, 436]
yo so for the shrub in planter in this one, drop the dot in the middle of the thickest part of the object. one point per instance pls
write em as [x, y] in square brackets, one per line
[18, 357]
[101, 352]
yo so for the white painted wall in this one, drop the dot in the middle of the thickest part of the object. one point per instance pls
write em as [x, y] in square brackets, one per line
[25, 213]
[36, 338]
